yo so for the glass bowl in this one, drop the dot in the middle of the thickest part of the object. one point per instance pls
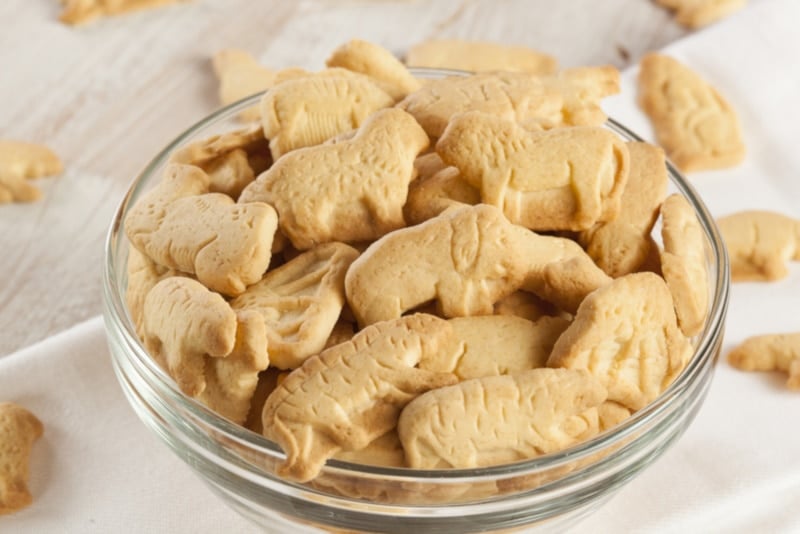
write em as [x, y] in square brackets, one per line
[550, 492]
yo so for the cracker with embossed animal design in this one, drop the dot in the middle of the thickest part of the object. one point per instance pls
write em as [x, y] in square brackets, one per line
[19, 429]
[694, 123]
[351, 394]
[759, 244]
[623, 245]
[466, 259]
[300, 302]
[180, 226]
[498, 419]
[570, 98]
[561, 179]
[770, 352]
[626, 334]
[350, 191]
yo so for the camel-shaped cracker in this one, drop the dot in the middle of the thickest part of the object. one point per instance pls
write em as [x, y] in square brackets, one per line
[349, 395]
[307, 110]
[466, 259]
[300, 301]
[622, 246]
[227, 245]
[626, 334]
[771, 352]
[184, 323]
[498, 419]
[759, 244]
[562, 179]
[19, 429]
[696, 126]
[353, 190]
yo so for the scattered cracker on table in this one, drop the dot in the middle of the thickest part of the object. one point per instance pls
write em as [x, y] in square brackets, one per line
[694, 123]
[477, 56]
[498, 419]
[20, 162]
[349, 395]
[683, 263]
[699, 13]
[19, 429]
[377, 63]
[623, 245]
[759, 244]
[337, 192]
[83, 11]
[240, 75]
[626, 334]
[560, 179]
[771, 352]
[300, 302]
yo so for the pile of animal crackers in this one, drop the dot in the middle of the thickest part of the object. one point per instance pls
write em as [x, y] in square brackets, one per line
[444, 273]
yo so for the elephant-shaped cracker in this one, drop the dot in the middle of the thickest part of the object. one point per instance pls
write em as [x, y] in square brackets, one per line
[562, 179]
[300, 302]
[626, 334]
[499, 419]
[349, 395]
[227, 245]
[349, 191]
[466, 259]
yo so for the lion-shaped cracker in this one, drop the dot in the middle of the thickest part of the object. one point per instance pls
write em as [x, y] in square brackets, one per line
[567, 99]
[759, 244]
[300, 302]
[231, 381]
[771, 352]
[623, 245]
[377, 63]
[683, 263]
[83, 11]
[349, 395]
[626, 334]
[479, 56]
[184, 324]
[19, 429]
[309, 110]
[561, 179]
[498, 419]
[466, 259]
[430, 196]
[227, 245]
[240, 75]
[349, 191]
[697, 127]
[699, 13]
[490, 345]
[20, 162]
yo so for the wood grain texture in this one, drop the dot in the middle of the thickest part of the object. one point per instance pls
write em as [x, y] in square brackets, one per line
[106, 97]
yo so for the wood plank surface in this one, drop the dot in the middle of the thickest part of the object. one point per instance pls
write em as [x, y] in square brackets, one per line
[106, 97]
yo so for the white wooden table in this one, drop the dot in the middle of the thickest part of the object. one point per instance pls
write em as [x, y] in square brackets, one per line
[108, 96]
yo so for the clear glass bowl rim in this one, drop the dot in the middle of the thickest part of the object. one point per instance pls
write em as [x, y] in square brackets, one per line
[118, 318]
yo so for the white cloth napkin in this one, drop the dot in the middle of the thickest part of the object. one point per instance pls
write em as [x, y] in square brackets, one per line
[737, 469]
